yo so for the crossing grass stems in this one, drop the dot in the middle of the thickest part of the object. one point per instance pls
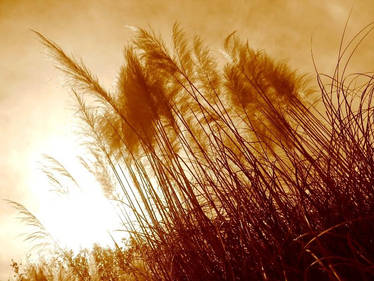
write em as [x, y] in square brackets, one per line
[225, 166]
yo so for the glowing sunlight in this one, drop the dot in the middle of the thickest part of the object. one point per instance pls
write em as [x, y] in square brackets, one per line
[78, 219]
[79, 216]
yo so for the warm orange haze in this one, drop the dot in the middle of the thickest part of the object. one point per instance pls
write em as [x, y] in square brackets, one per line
[221, 167]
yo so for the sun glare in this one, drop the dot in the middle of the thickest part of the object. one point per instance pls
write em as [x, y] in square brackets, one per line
[81, 217]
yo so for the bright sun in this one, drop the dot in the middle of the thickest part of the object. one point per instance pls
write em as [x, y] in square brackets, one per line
[83, 216]
[79, 219]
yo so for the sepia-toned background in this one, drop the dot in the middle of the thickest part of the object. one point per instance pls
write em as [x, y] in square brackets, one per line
[35, 107]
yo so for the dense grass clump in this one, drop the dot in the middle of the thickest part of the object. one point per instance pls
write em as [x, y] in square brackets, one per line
[225, 166]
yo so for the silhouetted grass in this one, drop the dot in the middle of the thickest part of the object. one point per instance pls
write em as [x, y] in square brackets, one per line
[225, 167]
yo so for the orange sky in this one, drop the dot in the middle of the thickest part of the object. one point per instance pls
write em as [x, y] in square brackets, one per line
[34, 105]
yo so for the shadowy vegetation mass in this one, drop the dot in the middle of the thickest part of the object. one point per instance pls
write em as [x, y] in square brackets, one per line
[225, 166]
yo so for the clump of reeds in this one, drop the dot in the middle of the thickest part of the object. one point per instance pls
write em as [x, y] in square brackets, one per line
[97, 263]
[229, 171]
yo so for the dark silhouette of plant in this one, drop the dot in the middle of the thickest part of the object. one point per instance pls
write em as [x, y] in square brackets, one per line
[229, 169]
